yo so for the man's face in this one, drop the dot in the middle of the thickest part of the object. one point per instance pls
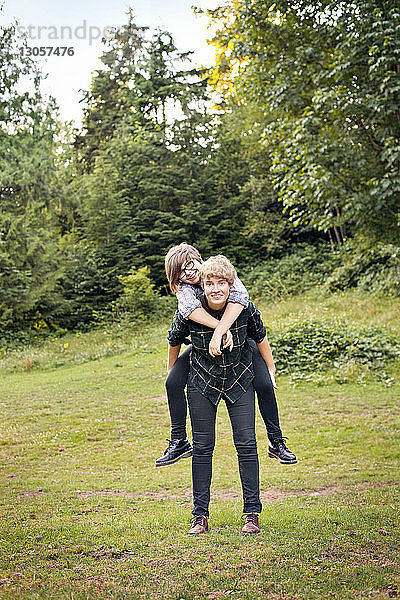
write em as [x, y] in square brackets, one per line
[190, 272]
[216, 290]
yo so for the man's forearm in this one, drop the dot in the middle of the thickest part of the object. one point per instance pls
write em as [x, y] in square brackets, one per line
[173, 353]
[199, 315]
[266, 353]
[232, 311]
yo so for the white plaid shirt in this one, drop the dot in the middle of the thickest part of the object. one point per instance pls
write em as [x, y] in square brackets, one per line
[189, 296]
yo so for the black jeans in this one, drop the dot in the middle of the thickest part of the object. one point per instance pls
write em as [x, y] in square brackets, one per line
[177, 380]
[202, 417]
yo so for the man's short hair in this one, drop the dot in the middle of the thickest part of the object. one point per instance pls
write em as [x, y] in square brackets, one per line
[218, 266]
[175, 258]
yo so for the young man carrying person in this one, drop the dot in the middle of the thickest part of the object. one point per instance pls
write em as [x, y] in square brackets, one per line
[227, 376]
[182, 264]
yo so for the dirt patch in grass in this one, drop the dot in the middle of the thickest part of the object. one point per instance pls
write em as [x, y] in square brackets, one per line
[106, 552]
[158, 495]
[28, 493]
[267, 495]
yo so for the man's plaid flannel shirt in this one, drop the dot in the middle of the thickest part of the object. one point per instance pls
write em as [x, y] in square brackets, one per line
[189, 296]
[226, 376]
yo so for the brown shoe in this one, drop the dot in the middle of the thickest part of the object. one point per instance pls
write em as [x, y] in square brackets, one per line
[251, 524]
[199, 525]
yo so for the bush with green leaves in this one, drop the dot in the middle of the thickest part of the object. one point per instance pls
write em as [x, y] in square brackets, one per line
[317, 345]
[139, 296]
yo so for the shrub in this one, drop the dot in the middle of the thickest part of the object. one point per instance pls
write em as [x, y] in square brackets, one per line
[374, 270]
[139, 295]
[315, 345]
[32, 335]
[294, 273]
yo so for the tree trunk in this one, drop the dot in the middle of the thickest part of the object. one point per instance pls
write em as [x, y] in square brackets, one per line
[337, 235]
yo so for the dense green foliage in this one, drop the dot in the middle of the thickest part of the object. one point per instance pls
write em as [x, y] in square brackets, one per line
[300, 156]
[325, 80]
[305, 267]
[374, 270]
[29, 190]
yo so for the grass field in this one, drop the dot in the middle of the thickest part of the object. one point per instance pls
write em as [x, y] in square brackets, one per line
[86, 515]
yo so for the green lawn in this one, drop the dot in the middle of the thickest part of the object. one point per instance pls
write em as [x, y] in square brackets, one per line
[86, 515]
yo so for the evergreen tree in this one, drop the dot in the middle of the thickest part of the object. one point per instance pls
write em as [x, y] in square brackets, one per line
[28, 191]
[145, 147]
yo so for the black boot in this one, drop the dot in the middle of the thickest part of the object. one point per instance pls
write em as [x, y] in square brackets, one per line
[278, 449]
[176, 450]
